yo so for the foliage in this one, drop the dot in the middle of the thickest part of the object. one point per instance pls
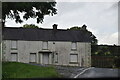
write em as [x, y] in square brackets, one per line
[30, 26]
[102, 61]
[94, 40]
[36, 10]
[117, 61]
[105, 50]
[75, 28]
[22, 70]
[100, 50]
[105, 56]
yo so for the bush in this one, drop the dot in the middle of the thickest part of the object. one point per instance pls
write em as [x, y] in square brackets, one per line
[117, 61]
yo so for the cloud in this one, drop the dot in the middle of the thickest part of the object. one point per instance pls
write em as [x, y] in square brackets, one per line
[100, 18]
[109, 39]
[87, 0]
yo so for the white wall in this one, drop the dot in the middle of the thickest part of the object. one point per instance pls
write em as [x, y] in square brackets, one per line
[62, 48]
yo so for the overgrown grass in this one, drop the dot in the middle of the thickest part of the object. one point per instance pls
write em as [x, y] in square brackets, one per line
[22, 70]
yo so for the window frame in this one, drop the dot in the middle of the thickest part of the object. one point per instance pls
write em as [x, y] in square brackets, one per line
[73, 62]
[12, 43]
[43, 45]
[74, 46]
[30, 58]
[16, 56]
[56, 58]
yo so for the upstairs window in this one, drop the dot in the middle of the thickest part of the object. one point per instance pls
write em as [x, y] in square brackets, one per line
[74, 46]
[13, 44]
[45, 45]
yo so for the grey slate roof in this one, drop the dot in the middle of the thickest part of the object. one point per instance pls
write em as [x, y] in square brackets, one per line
[39, 34]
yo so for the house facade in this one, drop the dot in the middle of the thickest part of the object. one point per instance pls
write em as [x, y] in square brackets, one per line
[47, 46]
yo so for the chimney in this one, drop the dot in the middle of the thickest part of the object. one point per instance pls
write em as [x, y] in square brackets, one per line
[84, 27]
[55, 27]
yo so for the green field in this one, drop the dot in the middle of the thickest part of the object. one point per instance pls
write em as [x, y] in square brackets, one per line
[22, 70]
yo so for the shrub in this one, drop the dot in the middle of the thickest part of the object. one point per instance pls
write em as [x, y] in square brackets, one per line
[117, 61]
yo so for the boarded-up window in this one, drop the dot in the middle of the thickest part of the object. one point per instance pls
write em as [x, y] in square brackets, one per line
[14, 57]
[13, 44]
[45, 45]
[74, 45]
[73, 57]
[32, 57]
[56, 57]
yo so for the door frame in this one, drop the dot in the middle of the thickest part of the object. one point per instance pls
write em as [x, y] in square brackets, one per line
[46, 56]
[40, 56]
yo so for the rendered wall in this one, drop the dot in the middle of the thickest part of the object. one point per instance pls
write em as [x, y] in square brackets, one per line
[24, 48]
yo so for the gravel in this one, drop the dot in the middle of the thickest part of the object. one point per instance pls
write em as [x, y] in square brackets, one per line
[69, 72]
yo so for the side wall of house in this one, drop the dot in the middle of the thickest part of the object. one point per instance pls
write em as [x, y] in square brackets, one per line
[24, 48]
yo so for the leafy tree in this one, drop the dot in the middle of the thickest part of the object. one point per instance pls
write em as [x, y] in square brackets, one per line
[75, 28]
[30, 26]
[101, 51]
[36, 10]
[94, 40]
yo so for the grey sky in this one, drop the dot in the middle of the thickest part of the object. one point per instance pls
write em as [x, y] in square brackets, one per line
[100, 17]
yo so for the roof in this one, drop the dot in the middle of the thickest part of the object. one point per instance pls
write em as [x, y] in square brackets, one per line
[40, 34]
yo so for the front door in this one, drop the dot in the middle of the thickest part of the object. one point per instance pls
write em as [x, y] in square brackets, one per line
[45, 58]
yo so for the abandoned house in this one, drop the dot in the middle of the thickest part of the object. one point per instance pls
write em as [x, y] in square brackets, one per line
[47, 46]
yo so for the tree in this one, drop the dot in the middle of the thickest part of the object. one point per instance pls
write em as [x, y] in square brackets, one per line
[75, 28]
[104, 51]
[94, 40]
[36, 10]
[30, 26]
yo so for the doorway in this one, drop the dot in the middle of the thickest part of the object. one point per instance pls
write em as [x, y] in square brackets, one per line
[45, 58]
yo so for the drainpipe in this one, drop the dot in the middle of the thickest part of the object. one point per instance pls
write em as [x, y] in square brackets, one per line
[53, 52]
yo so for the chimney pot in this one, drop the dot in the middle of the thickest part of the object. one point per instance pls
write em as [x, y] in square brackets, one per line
[84, 27]
[55, 26]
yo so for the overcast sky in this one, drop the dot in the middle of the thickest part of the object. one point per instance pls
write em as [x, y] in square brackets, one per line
[101, 19]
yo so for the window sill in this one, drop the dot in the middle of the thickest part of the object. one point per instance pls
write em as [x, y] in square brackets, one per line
[13, 48]
[44, 49]
[73, 49]
[32, 62]
[73, 62]
[56, 61]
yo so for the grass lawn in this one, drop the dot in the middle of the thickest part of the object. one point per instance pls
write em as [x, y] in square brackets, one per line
[22, 70]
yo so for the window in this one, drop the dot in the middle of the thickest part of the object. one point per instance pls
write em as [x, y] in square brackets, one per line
[13, 44]
[14, 56]
[74, 46]
[73, 58]
[45, 45]
[32, 57]
[56, 57]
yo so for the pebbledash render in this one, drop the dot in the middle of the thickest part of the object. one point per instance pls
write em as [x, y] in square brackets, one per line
[47, 46]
